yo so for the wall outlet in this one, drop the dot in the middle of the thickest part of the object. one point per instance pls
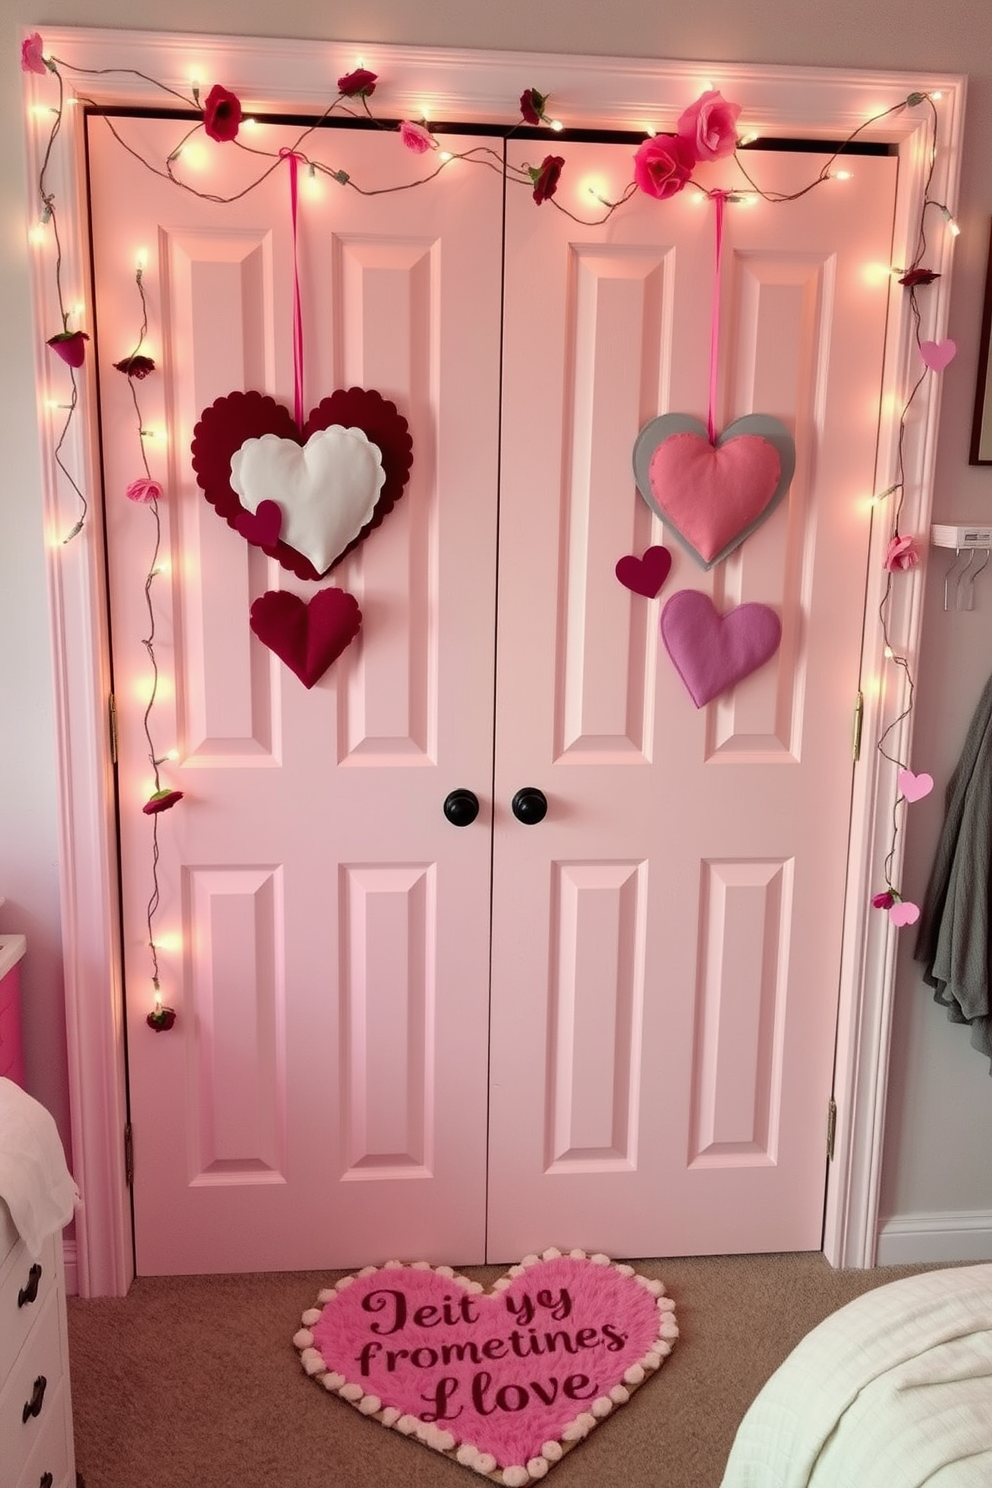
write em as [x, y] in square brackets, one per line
[977, 536]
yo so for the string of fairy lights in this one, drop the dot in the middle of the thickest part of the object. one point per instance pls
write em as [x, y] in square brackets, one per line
[664, 164]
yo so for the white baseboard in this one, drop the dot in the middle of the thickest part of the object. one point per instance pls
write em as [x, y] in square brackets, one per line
[914, 1239]
[71, 1268]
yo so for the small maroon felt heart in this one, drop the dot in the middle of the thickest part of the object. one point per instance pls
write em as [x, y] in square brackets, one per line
[306, 636]
[230, 421]
[712, 652]
[260, 527]
[645, 575]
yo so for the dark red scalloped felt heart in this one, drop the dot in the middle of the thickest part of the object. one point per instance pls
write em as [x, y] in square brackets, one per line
[229, 421]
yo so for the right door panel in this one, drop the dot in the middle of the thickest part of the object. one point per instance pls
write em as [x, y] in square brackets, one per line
[666, 942]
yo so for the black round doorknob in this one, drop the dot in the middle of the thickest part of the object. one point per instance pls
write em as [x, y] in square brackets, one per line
[529, 805]
[461, 807]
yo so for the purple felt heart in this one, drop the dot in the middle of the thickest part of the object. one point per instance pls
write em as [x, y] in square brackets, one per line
[712, 652]
[261, 527]
[645, 575]
[306, 636]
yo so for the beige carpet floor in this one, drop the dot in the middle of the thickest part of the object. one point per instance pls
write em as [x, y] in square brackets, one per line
[195, 1381]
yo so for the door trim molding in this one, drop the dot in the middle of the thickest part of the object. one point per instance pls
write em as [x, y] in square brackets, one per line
[604, 92]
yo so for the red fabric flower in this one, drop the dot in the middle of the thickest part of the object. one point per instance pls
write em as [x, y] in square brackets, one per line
[902, 553]
[32, 59]
[161, 801]
[662, 165]
[221, 113]
[532, 105]
[70, 346]
[883, 901]
[161, 1019]
[144, 490]
[918, 276]
[709, 126]
[358, 84]
[416, 137]
[545, 177]
[135, 366]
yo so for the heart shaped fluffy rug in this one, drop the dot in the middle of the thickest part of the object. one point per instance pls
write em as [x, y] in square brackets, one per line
[504, 1382]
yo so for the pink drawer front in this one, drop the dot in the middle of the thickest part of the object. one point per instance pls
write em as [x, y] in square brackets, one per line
[11, 1049]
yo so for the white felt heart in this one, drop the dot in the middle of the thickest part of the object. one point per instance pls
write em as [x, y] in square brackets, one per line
[326, 489]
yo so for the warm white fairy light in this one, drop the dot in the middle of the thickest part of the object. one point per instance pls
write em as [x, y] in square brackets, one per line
[445, 156]
[748, 138]
[841, 175]
[556, 125]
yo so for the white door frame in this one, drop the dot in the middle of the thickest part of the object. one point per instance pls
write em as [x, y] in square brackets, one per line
[599, 92]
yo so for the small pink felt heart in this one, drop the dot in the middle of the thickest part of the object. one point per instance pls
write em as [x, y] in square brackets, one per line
[645, 575]
[938, 354]
[306, 636]
[501, 1381]
[904, 913]
[915, 787]
[712, 652]
[261, 527]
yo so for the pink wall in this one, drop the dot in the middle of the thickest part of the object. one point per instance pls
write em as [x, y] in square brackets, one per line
[939, 1083]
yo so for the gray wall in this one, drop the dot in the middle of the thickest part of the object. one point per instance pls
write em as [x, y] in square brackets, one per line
[941, 1097]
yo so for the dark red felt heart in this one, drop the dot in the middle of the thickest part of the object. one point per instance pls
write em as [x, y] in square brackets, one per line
[225, 426]
[260, 527]
[645, 575]
[306, 636]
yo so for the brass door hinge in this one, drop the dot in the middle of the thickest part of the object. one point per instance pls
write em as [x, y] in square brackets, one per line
[128, 1156]
[831, 1128]
[859, 718]
[112, 710]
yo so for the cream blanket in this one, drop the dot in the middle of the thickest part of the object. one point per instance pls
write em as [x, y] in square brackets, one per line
[893, 1391]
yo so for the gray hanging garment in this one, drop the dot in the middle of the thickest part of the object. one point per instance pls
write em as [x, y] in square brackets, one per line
[953, 937]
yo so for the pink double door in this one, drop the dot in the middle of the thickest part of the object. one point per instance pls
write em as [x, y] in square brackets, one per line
[397, 1037]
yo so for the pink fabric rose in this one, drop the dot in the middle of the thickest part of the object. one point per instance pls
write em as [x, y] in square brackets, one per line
[709, 126]
[70, 346]
[32, 59]
[416, 137]
[144, 490]
[902, 553]
[221, 113]
[358, 84]
[662, 165]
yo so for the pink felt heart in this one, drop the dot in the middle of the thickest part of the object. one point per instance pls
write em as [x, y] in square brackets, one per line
[904, 913]
[645, 575]
[261, 527]
[712, 652]
[938, 354]
[306, 636]
[230, 422]
[915, 787]
[504, 1380]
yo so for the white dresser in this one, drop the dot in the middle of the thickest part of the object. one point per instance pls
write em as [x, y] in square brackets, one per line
[36, 1448]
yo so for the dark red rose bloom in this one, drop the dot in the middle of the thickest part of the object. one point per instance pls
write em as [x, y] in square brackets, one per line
[135, 366]
[358, 84]
[221, 113]
[161, 801]
[918, 276]
[161, 1019]
[70, 346]
[532, 105]
[884, 900]
[546, 177]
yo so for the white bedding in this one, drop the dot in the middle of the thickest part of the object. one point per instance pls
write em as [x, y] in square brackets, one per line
[892, 1391]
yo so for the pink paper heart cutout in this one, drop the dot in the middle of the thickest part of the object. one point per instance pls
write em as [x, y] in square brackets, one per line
[306, 636]
[915, 787]
[712, 652]
[261, 527]
[713, 492]
[938, 354]
[904, 913]
[499, 1377]
[645, 575]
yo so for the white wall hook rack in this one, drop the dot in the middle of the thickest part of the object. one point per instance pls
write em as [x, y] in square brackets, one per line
[972, 549]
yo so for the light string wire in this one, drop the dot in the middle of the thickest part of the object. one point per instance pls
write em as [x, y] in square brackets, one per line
[521, 175]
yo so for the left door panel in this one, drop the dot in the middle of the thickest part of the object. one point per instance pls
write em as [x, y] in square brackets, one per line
[322, 930]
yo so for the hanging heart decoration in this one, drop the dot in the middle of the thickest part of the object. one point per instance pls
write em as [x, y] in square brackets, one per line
[713, 652]
[333, 480]
[307, 636]
[647, 574]
[712, 495]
